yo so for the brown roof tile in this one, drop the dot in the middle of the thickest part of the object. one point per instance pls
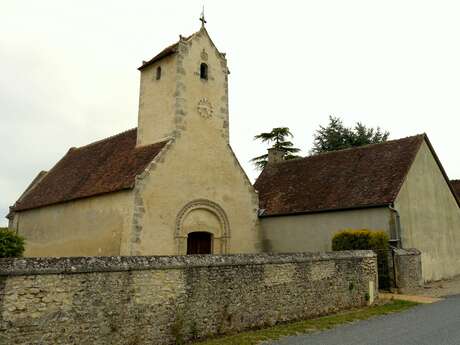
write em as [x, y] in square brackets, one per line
[365, 176]
[170, 50]
[456, 185]
[105, 166]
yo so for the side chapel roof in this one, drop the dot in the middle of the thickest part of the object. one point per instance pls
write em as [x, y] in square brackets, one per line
[105, 166]
[367, 176]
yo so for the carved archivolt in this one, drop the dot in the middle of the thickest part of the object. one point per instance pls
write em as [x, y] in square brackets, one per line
[220, 243]
[206, 205]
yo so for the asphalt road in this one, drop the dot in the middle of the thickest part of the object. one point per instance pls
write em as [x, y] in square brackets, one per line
[429, 324]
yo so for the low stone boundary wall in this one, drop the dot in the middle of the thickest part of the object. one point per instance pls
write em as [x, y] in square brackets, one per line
[166, 300]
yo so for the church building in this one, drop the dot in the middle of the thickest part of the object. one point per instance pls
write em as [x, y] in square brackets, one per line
[170, 186]
[173, 185]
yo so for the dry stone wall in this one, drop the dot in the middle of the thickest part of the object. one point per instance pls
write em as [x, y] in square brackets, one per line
[166, 300]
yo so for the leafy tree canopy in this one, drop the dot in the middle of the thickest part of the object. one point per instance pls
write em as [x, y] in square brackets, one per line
[278, 138]
[335, 136]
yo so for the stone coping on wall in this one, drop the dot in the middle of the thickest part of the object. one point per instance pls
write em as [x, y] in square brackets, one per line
[407, 251]
[87, 264]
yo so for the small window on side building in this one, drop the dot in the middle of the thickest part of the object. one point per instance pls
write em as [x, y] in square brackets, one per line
[204, 71]
[158, 75]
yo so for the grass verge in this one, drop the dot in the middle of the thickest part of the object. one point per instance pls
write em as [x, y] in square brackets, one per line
[307, 326]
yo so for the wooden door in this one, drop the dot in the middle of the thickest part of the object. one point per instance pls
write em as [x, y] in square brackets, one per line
[199, 242]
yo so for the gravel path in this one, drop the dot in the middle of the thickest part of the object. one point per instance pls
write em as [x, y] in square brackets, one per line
[430, 324]
[440, 289]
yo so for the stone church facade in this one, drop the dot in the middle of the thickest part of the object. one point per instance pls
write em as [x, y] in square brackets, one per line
[171, 186]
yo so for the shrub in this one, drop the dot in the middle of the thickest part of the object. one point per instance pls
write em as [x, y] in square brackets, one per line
[359, 240]
[11, 245]
[368, 240]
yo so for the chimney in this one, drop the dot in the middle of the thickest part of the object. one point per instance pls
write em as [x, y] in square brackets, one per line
[275, 155]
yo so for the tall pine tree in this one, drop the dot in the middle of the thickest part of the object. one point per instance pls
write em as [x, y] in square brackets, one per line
[278, 137]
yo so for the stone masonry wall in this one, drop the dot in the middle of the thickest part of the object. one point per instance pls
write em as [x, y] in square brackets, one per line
[408, 264]
[164, 300]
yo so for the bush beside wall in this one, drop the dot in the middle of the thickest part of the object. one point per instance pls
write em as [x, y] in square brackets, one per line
[11, 245]
[367, 240]
[360, 240]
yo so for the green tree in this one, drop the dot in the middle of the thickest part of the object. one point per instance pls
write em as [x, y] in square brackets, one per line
[278, 138]
[11, 245]
[335, 136]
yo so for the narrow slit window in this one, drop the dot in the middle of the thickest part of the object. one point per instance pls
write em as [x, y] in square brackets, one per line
[158, 76]
[203, 71]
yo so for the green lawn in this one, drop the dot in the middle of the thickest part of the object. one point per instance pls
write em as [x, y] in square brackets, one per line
[308, 326]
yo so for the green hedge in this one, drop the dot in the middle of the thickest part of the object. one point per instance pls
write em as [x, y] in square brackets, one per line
[11, 245]
[369, 240]
[360, 239]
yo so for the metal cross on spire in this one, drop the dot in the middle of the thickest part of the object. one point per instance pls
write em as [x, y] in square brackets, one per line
[203, 21]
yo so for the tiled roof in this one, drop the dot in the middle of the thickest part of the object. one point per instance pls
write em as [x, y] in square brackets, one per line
[104, 166]
[456, 185]
[365, 176]
[172, 49]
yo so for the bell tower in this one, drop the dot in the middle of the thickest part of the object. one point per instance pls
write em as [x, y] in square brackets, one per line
[184, 89]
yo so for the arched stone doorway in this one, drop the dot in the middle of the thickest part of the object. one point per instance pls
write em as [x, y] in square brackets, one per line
[202, 216]
[199, 242]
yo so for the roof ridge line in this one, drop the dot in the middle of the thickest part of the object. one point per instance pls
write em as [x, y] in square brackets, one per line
[374, 144]
[352, 148]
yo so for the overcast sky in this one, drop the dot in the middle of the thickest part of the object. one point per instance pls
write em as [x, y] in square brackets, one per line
[68, 71]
